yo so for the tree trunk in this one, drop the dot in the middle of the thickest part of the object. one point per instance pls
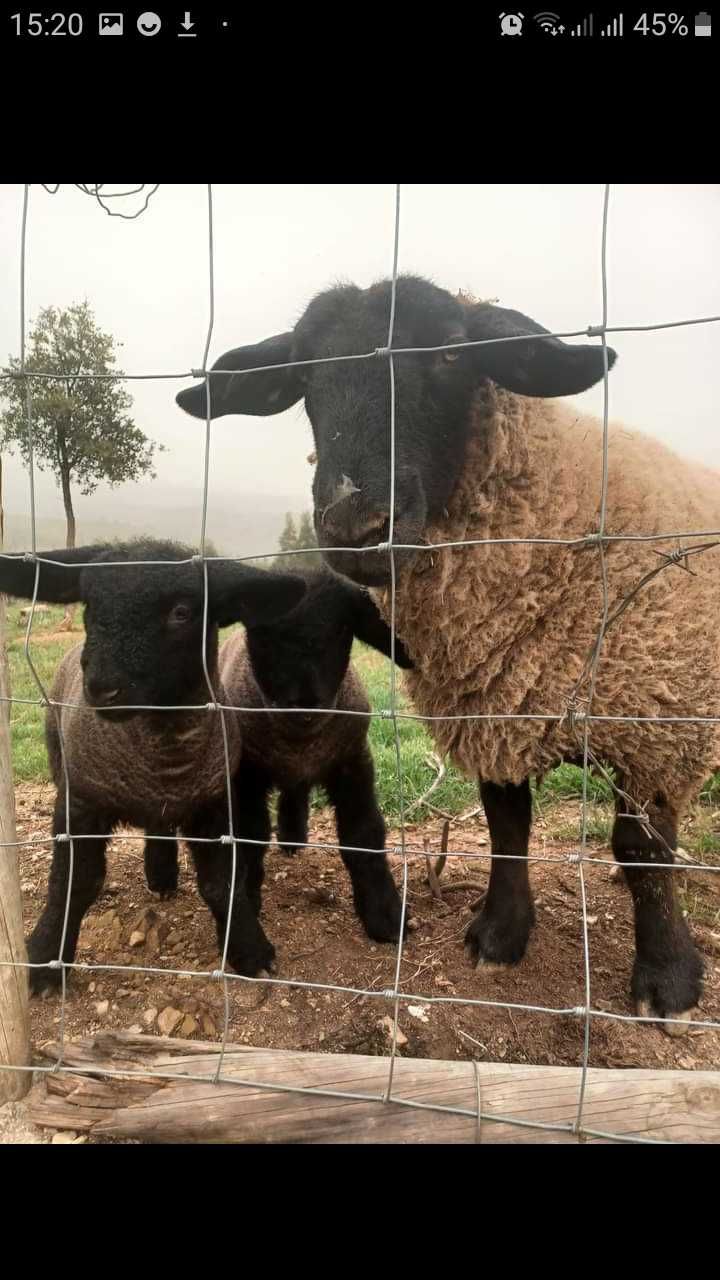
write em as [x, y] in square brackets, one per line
[14, 1026]
[69, 616]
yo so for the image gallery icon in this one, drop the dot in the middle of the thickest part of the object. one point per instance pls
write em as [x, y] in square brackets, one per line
[110, 24]
[511, 24]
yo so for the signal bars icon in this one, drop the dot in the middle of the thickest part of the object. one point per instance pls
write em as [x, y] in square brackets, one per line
[614, 28]
[584, 28]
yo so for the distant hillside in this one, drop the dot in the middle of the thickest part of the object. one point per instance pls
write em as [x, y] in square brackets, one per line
[247, 525]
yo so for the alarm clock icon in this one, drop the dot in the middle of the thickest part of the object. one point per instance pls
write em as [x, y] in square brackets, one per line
[511, 24]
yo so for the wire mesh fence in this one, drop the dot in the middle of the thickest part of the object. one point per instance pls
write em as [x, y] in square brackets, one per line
[578, 712]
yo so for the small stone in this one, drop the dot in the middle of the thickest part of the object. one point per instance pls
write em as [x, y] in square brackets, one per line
[106, 919]
[188, 1026]
[413, 925]
[169, 1020]
[101, 1007]
[135, 1029]
[386, 1025]
[91, 987]
[136, 938]
[592, 919]
[285, 1004]
[114, 937]
[418, 1011]
[122, 992]
[63, 1138]
[80, 1140]
[149, 1016]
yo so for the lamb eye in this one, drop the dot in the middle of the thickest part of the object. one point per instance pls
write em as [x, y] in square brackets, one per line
[180, 613]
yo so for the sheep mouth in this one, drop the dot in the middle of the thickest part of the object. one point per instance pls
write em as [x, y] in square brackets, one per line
[369, 568]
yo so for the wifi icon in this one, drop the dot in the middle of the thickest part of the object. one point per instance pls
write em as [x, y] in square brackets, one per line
[550, 23]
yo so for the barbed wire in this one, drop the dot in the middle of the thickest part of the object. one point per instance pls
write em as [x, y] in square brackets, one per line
[97, 192]
[577, 710]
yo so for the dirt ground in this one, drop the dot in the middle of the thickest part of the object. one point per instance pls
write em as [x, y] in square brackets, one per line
[308, 914]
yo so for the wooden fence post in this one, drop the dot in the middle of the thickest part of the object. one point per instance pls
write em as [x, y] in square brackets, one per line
[14, 1022]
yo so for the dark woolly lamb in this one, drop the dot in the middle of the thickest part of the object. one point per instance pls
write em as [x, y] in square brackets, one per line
[302, 661]
[160, 770]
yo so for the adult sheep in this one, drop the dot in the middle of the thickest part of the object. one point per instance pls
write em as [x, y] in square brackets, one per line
[484, 452]
[160, 770]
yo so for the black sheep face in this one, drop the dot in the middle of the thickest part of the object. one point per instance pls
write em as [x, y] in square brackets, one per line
[145, 622]
[300, 661]
[348, 403]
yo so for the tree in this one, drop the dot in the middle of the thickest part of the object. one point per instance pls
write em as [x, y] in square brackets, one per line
[81, 429]
[288, 537]
[297, 538]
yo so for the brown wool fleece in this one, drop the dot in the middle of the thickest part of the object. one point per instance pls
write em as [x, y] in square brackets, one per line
[166, 759]
[507, 629]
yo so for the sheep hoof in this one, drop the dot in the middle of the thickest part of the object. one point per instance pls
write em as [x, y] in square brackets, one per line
[681, 1024]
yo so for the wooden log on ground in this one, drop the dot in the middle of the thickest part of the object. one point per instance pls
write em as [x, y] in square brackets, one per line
[257, 1099]
[14, 1024]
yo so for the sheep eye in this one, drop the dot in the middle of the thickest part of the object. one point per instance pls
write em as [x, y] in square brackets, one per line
[451, 356]
[181, 613]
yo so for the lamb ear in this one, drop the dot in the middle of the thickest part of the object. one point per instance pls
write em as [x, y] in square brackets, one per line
[260, 394]
[56, 584]
[241, 593]
[369, 626]
[548, 367]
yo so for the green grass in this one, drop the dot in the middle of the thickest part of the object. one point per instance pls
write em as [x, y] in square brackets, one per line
[27, 722]
[454, 795]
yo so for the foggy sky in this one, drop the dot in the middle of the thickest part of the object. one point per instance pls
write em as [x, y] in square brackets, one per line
[535, 248]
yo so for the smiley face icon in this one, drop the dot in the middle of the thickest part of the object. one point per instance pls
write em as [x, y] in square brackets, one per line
[148, 24]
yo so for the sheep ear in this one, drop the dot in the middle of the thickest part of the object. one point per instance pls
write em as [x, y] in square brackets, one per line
[58, 583]
[542, 368]
[368, 626]
[259, 394]
[240, 593]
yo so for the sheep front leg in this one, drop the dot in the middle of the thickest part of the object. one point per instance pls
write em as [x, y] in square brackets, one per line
[499, 932]
[161, 864]
[359, 822]
[252, 822]
[86, 860]
[293, 811]
[249, 951]
[668, 972]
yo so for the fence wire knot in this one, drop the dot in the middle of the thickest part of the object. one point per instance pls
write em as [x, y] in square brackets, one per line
[63, 837]
[595, 330]
[198, 373]
[212, 706]
[29, 556]
[227, 839]
[576, 710]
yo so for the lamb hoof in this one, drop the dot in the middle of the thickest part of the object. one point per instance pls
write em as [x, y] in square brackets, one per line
[499, 937]
[45, 982]
[381, 921]
[252, 961]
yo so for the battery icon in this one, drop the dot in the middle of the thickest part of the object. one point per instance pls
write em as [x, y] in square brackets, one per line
[702, 24]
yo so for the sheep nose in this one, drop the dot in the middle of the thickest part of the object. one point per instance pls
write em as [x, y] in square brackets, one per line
[99, 694]
[345, 526]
